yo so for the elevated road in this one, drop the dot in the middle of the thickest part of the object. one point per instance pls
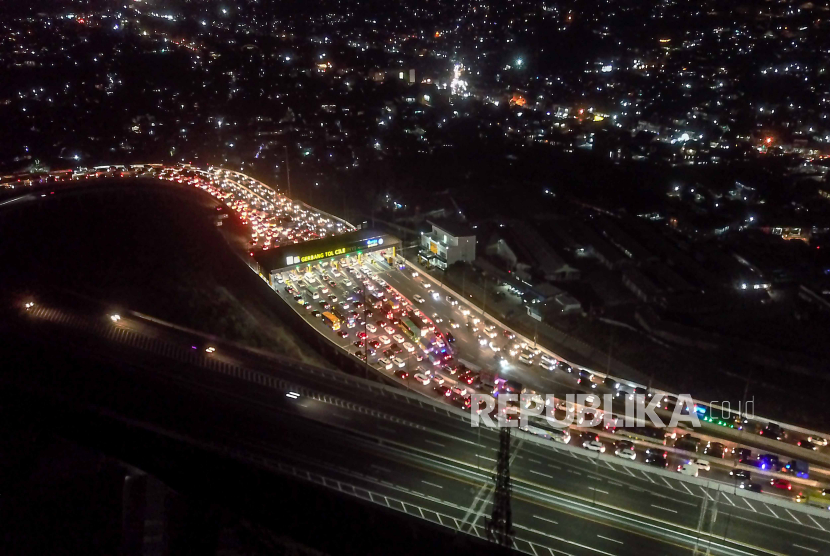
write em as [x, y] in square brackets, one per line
[407, 453]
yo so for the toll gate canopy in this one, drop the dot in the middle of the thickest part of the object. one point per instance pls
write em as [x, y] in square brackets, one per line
[298, 255]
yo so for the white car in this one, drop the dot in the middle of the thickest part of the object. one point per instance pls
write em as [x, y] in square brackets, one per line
[427, 285]
[817, 440]
[371, 327]
[437, 318]
[437, 379]
[398, 361]
[702, 464]
[384, 340]
[408, 347]
[451, 300]
[464, 311]
[418, 298]
[594, 446]
[422, 378]
[385, 363]
[494, 347]
[436, 296]
[398, 338]
[626, 453]
[380, 281]
[689, 469]
[389, 330]
[454, 324]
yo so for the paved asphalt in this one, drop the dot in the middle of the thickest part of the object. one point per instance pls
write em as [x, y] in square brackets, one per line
[396, 450]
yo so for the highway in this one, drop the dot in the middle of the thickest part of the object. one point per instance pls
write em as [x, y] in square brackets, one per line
[422, 457]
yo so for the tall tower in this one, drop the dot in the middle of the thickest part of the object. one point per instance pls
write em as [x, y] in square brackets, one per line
[500, 524]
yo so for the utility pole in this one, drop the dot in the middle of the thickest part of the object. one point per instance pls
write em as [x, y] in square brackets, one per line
[500, 524]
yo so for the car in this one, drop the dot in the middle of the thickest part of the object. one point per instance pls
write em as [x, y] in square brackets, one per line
[509, 335]
[626, 453]
[395, 348]
[437, 379]
[371, 327]
[375, 344]
[702, 464]
[403, 375]
[714, 449]
[385, 363]
[743, 455]
[325, 305]
[418, 298]
[399, 338]
[689, 469]
[437, 318]
[817, 440]
[594, 446]
[494, 347]
[316, 313]
[450, 337]
[408, 347]
[384, 340]
[358, 343]
[657, 461]
[769, 462]
[332, 283]
[381, 323]
[389, 330]
[782, 484]
[359, 354]
[773, 431]
[427, 285]
[453, 324]
[740, 474]
[422, 378]
[398, 362]
[451, 300]
[332, 298]
[343, 333]
[443, 390]
[619, 444]
[751, 487]
[388, 353]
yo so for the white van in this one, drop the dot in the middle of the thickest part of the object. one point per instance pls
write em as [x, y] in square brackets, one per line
[690, 469]
[525, 359]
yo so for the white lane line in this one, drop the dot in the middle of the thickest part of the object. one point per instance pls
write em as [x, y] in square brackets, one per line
[664, 509]
[485, 457]
[687, 488]
[805, 548]
[793, 516]
[770, 510]
[534, 460]
[748, 504]
[574, 472]
[648, 477]
[554, 466]
[616, 484]
[611, 466]
[730, 500]
[546, 519]
[598, 490]
[379, 468]
[816, 522]
[610, 539]
[667, 483]
[542, 474]
[435, 443]
[627, 470]
[706, 493]
[387, 429]
[431, 484]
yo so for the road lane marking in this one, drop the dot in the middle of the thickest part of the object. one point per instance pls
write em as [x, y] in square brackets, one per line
[431, 484]
[598, 490]
[554, 466]
[805, 548]
[435, 443]
[667, 483]
[648, 477]
[379, 468]
[534, 460]
[574, 472]
[610, 539]
[750, 505]
[629, 471]
[730, 500]
[793, 516]
[387, 429]
[707, 494]
[664, 509]
[485, 457]
[816, 522]
[687, 488]
[542, 474]
[770, 510]
[615, 483]
[546, 519]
